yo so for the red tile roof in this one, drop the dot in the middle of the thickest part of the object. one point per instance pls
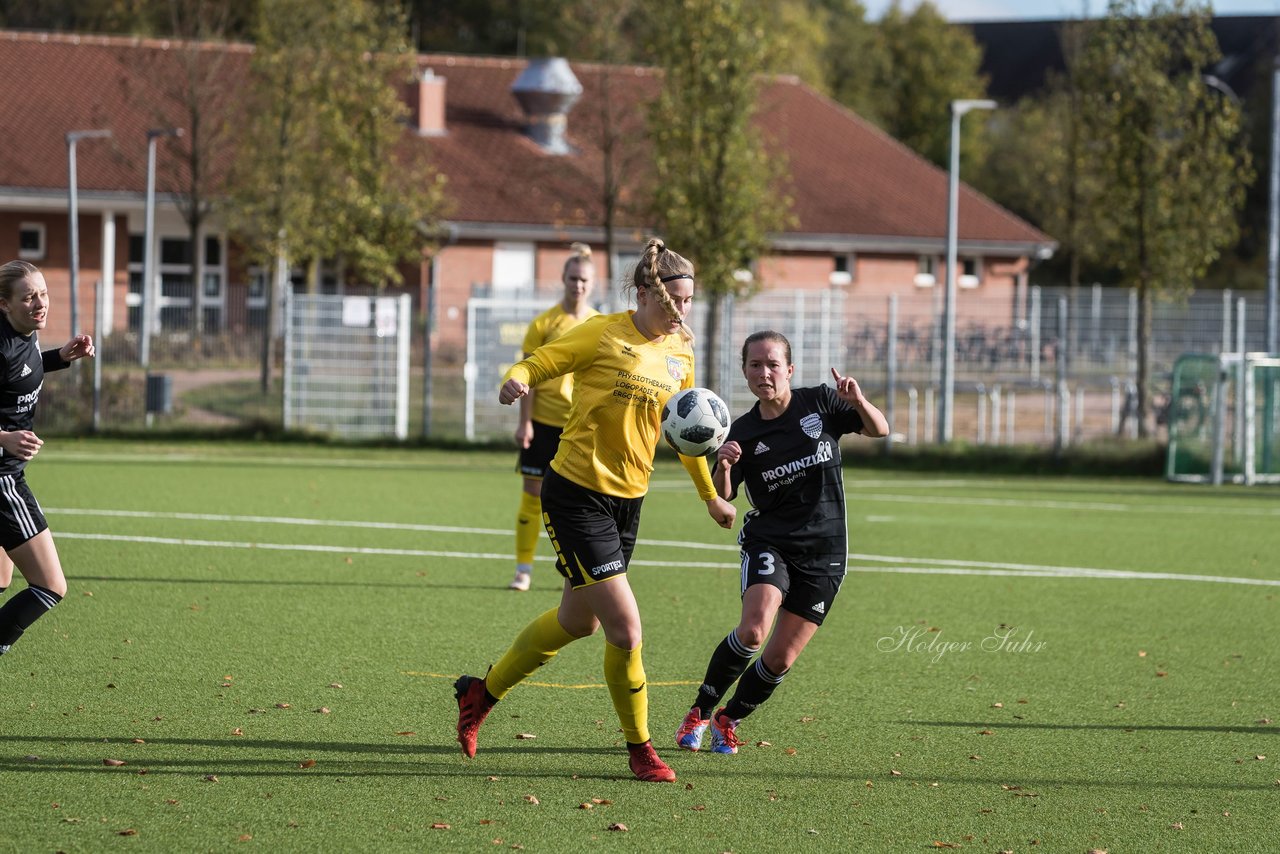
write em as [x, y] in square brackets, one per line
[848, 179]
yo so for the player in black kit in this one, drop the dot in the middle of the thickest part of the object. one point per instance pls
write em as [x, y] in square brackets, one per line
[786, 451]
[24, 534]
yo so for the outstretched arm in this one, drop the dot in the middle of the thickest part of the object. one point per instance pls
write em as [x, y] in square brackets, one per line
[874, 424]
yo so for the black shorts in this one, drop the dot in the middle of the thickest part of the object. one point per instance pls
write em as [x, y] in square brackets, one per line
[20, 514]
[808, 591]
[535, 460]
[593, 534]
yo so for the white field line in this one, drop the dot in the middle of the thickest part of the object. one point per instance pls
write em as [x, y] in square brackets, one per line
[897, 564]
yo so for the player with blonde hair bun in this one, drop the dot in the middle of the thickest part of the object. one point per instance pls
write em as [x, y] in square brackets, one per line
[625, 366]
[545, 408]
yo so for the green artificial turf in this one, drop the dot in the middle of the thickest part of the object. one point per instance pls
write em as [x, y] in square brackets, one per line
[266, 636]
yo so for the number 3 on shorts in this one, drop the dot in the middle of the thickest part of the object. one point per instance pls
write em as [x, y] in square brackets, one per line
[766, 558]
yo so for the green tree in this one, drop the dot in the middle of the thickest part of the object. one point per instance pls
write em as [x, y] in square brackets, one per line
[931, 63]
[325, 171]
[856, 59]
[1172, 167]
[716, 185]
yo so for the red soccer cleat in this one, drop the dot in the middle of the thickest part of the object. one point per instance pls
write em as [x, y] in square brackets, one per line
[473, 708]
[646, 765]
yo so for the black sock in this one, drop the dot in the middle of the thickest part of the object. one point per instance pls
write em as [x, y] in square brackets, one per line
[727, 663]
[22, 610]
[756, 686]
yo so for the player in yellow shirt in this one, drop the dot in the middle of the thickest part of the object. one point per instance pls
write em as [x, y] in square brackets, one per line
[545, 408]
[625, 367]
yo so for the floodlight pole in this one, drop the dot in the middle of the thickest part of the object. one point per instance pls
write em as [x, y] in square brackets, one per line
[947, 402]
[1273, 213]
[149, 295]
[73, 212]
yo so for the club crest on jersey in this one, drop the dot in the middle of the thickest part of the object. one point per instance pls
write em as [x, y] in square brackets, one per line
[811, 424]
[676, 368]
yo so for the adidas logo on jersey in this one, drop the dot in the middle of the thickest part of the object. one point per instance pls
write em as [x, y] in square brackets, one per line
[762, 448]
[26, 370]
[821, 608]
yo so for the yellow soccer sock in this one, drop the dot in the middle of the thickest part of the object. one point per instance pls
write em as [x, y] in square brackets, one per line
[528, 527]
[624, 674]
[536, 644]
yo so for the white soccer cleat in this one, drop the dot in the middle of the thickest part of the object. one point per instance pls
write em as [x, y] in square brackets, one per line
[521, 581]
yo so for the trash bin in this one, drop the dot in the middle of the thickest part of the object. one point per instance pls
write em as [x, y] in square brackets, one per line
[159, 394]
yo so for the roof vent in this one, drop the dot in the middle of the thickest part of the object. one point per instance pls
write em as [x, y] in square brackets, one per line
[547, 89]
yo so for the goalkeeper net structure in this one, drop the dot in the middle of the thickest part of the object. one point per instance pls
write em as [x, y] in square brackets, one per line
[1223, 415]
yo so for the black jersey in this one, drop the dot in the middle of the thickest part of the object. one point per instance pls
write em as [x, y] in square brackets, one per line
[791, 468]
[22, 368]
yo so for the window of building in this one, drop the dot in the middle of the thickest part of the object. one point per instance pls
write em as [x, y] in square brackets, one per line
[970, 273]
[842, 270]
[513, 268]
[31, 241]
[926, 271]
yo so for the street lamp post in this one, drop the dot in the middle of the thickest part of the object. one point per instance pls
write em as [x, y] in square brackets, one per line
[73, 212]
[149, 295]
[947, 403]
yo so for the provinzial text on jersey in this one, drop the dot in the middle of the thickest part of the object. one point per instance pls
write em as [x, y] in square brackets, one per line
[822, 455]
[27, 402]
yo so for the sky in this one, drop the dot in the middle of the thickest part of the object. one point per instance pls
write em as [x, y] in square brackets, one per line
[1008, 10]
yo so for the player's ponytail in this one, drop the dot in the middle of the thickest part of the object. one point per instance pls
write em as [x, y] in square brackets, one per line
[656, 263]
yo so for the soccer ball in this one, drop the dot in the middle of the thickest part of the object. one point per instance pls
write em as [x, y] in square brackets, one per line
[695, 422]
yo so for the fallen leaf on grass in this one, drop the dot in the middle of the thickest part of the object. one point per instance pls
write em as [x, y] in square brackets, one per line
[1260, 757]
[171, 802]
[128, 831]
[940, 844]
[533, 799]
[283, 706]
[486, 821]
[491, 778]
[997, 705]
[139, 741]
[211, 778]
[586, 806]
[335, 684]
[323, 710]
[1177, 825]
[604, 802]
[1096, 851]
[1162, 673]
[307, 763]
[975, 757]
[790, 751]
[895, 773]
[524, 736]
[1142, 653]
[764, 744]
[698, 808]
[986, 732]
[257, 711]
[407, 732]
[1263, 720]
[440, 825]
[244, 837]
[237, 731]
[807, 719]
[113, 762]
[619, 826]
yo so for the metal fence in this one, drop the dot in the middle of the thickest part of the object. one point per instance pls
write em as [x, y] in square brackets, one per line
[1056, 366]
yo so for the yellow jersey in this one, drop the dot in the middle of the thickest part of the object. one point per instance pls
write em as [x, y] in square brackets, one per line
[553, 397]
[621, 381]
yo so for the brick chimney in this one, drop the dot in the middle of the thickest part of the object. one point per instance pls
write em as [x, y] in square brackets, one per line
[429, 109]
